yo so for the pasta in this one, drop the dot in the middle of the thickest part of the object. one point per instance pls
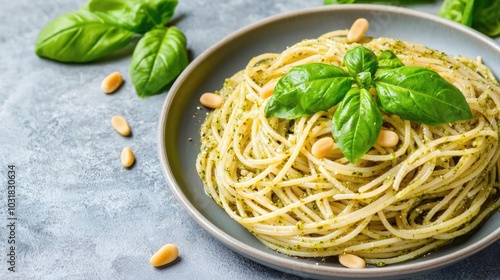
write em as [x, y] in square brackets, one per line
[394, 204]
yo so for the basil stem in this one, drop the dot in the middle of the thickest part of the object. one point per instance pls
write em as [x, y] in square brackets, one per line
[158, 59]
[81, 36]
[420, 95]
[308, 89]
[356, 124]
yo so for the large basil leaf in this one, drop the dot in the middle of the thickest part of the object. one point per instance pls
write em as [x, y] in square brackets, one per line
[420, 95]
[159, 57]
[138, 16]
[487, 17]
[308, 89]
[360, 59]
[80, 36]
[387, 59]
[356, 124]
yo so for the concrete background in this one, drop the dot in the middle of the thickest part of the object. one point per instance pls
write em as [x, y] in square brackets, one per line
[80, 214]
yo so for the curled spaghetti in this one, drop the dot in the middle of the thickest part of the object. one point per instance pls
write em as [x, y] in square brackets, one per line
[394, 204]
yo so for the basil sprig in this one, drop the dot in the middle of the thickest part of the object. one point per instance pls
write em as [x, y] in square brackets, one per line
[414, 93]
[102, 27]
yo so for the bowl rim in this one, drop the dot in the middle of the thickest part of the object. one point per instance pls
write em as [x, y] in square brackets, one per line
[290, 265]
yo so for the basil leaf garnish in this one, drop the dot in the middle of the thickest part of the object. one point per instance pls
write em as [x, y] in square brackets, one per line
[356, 124]
[308, 89]
[138, 16]
[387, 59]
[414, 93]
[360, 59]
[81, 36]
[364, 79]
[158, 59]
[420, 95]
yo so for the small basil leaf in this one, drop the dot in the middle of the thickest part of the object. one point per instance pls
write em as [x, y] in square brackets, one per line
[308, 89]
[138, 16]
[159, 57]
[360, 59]
[356, 124]
[387, 59]
[364, 79]
[80, 36]
[420, 95]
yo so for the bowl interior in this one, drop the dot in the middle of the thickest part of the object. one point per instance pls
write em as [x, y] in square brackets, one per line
[182, 116]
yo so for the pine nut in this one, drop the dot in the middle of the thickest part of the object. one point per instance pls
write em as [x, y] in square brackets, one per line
[321, 147]
[351, 261]
[211, 100]
[121, 125]
[127, 157]
[267, 90]
[358, 30]
[112, 82]
[167, 254]
[387, 138]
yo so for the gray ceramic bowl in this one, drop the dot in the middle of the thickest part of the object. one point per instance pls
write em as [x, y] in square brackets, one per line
[181, 119]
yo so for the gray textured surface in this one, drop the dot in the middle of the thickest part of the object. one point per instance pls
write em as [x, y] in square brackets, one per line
[80, 214]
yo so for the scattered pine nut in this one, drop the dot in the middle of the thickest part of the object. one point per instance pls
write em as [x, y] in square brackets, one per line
[358, 30]
[351, 261]
[121, 125]
[112, 82]
[267, 90]
[167, 254]
[127, 157]
[321, 147]
[211, 100]
[387, 138]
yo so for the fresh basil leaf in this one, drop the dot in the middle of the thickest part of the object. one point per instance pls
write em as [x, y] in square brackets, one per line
[420, 95]
[487, 17]
[387, 59]
[356, 124]
[360, 59]
[364, 79]
[307, 89]
[460, 11]
[159, 57]
[138, 16]
[81, 36]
